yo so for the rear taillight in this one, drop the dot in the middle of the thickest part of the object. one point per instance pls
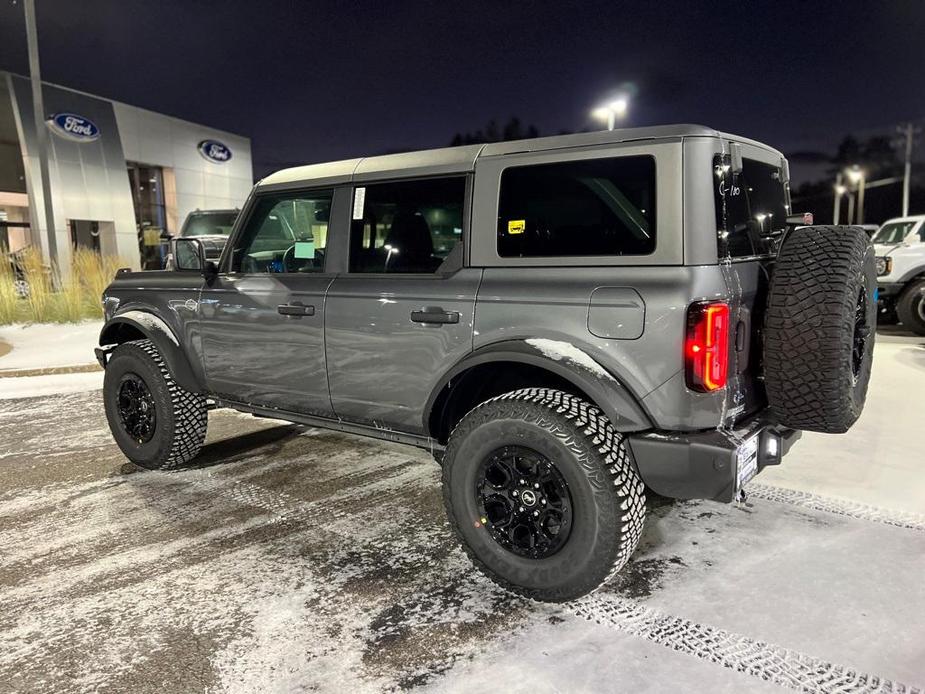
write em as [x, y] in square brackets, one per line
[706, 351]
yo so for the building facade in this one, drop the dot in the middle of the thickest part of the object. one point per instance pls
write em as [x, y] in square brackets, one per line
[122, 178]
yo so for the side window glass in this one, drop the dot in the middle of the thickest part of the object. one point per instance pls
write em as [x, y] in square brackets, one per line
[588, 207]
[285, 233]
[406, 226]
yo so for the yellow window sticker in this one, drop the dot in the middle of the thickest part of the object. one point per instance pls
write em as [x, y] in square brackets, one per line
[516, 226]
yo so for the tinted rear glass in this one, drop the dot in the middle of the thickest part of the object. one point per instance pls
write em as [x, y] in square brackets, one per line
[209, 224]
[751, 207]
[592, 207]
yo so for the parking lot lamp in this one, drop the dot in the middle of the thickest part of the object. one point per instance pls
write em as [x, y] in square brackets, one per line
[610, 111]
[857, 177]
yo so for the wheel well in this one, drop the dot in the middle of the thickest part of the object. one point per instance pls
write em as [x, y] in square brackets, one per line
[118, 333]
[483, 382]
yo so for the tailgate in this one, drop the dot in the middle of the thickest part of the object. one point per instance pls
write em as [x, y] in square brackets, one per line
[747, 283]
[752, 206]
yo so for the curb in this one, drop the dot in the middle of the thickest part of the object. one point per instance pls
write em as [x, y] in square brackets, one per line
[51, 371]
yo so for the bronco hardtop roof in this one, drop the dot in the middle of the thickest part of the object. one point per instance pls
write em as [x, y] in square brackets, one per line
[462, 159]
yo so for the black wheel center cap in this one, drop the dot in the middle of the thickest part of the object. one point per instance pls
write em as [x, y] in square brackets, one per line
[528, 497]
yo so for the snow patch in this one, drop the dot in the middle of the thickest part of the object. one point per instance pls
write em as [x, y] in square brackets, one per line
[16, 387]
[567, 352]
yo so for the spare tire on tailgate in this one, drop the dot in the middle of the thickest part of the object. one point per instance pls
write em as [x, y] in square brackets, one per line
[819, 328]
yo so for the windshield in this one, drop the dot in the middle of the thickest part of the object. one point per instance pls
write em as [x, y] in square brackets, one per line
[209, 224]
[893, 233]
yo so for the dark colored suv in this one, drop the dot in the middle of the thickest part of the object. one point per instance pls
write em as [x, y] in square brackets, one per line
[563, 322]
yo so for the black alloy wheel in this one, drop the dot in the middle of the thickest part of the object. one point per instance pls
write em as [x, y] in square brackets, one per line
[525, 502]
[861, 333]
[137, 411]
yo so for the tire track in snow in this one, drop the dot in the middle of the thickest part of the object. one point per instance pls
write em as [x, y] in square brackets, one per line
[841, 507]
[766, 661]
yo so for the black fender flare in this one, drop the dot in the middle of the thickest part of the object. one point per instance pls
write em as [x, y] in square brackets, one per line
[603, 388]
[154, 328]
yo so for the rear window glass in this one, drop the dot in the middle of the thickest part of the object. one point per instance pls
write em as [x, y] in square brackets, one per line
[751, 207]
[592, 207]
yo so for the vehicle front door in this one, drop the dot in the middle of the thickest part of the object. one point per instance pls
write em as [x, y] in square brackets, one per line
[403, 313]
[263, 316]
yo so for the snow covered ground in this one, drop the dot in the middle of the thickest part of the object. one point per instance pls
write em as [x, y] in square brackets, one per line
[291, 559]
[49, 345]
[881, 460]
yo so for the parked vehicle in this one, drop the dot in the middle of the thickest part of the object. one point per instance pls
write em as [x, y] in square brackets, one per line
[900, 248]
[20, 283]
[564, 322]
[211, 227]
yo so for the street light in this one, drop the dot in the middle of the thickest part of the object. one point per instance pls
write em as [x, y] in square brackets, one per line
[857, 177]
[612, 110]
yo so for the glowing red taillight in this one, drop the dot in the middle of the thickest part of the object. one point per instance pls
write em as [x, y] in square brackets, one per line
[706, 351]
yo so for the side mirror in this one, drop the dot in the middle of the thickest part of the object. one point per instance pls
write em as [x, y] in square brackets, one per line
[188, 255]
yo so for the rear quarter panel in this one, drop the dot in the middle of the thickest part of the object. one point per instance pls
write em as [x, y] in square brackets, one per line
[550, 303]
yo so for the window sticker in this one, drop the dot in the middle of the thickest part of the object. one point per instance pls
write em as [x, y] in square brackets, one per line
[305, 249]
[516, 226]
[359, 202]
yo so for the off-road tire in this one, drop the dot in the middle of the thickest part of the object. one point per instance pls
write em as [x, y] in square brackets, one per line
[813, 380]
[607, 495]
[181, 416]
[911, 307]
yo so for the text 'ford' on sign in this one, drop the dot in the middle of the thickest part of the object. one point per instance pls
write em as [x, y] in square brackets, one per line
[73, 127]
[214, 151]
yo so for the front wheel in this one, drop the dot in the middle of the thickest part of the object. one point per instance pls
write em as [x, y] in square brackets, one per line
[911, 307]
[157, 424]
[540, 490]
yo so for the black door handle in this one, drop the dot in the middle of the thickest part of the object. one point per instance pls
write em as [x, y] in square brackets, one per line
[435, 315]
[296, 309]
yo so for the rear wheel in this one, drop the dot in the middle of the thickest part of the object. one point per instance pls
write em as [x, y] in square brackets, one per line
[911, 307]
[156, 423]
[540, 490]
[819, 328]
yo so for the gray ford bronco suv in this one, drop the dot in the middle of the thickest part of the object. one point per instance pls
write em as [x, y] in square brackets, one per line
[566, 323]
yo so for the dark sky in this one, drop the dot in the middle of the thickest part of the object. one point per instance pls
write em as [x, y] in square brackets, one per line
[314, 81]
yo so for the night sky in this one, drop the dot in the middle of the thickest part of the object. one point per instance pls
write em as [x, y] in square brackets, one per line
[314, 81]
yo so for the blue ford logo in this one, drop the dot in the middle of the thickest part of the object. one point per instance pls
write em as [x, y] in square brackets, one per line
[214, 151]
[74, 127]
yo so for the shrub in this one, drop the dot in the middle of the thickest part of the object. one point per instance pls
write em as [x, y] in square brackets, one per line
[52, 298]
[9, 300]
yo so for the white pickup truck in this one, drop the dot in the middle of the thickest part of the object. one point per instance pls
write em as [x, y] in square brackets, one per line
[900, 248]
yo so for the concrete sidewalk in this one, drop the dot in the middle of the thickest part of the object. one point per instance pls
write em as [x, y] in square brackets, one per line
[48, 358]
[47, 346]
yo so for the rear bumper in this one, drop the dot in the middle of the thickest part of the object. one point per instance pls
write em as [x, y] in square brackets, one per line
[704, 464]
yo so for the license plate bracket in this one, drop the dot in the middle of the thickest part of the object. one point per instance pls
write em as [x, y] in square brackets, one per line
[747, 461]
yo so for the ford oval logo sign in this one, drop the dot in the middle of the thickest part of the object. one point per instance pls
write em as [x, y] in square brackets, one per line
[74, 127]
[214, 151]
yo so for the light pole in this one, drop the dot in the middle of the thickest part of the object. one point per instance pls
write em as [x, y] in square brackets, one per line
[909, 131]
[41, 133]
[839, 192]
[610, 111]
[856, 176]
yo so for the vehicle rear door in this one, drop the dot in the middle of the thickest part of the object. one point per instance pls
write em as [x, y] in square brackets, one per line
[402, 315]
[752, 205]
[263, 316]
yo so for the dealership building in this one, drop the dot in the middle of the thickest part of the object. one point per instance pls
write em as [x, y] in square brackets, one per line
[122, 178]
